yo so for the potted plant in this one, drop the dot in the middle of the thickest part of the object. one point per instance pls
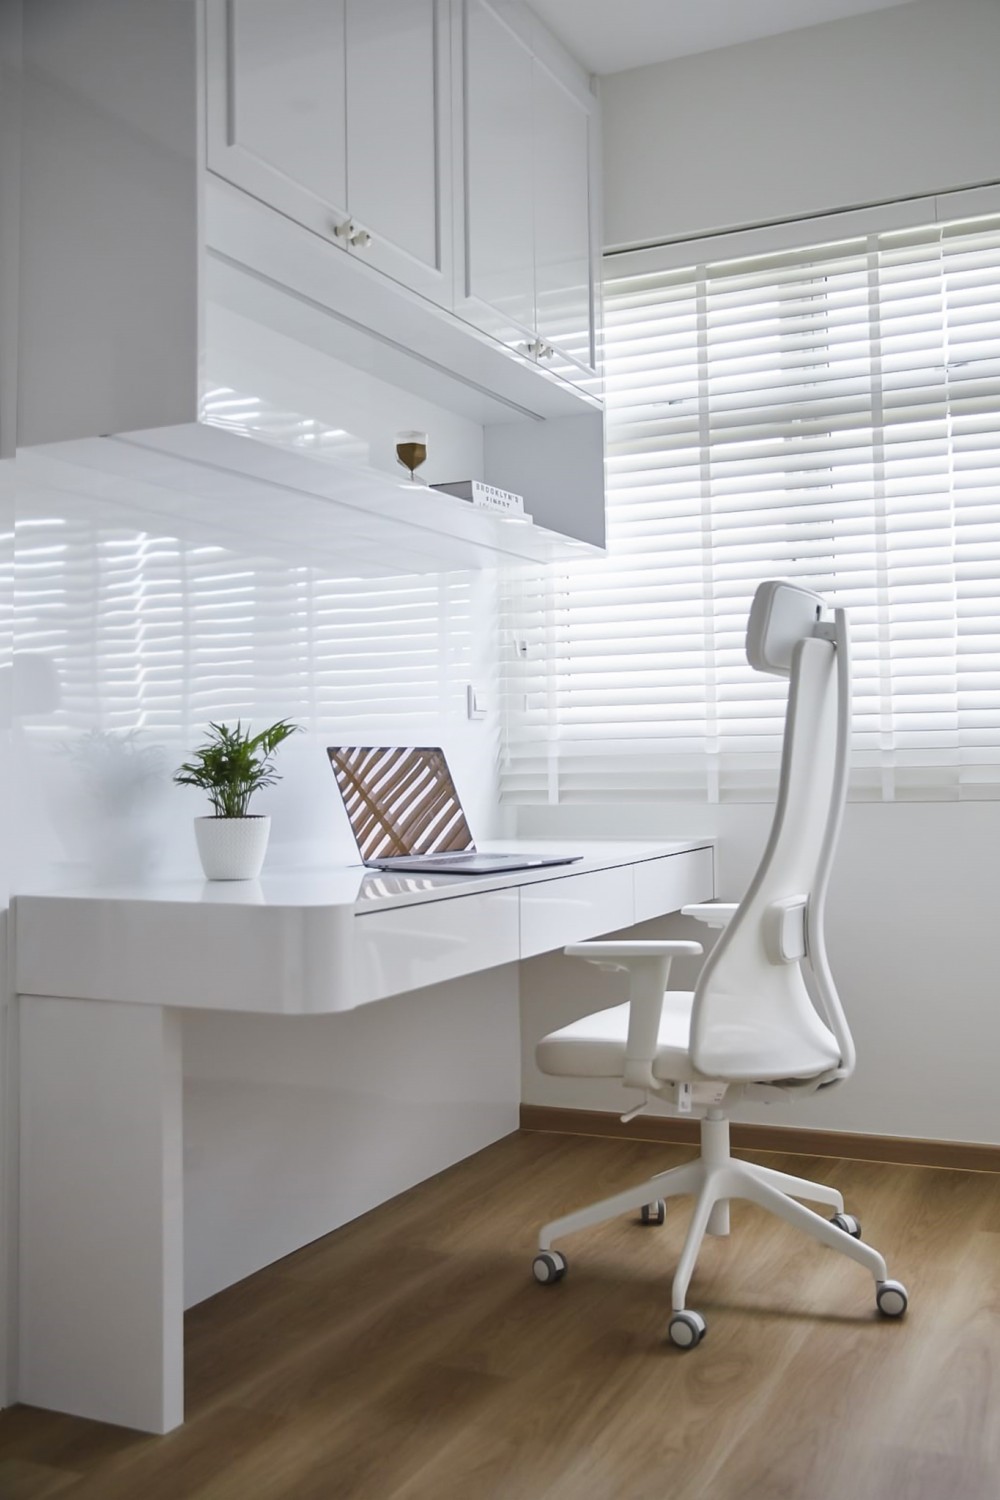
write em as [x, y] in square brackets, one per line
[230, 766]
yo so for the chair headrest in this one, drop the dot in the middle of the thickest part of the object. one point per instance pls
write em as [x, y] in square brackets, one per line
[781, 614]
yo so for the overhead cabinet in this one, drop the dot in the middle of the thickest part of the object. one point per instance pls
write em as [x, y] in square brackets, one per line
[335, 112]
[529, 190]
[449, 145]
[273, 203]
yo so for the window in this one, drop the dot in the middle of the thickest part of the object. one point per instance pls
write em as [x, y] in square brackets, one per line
[829, 415]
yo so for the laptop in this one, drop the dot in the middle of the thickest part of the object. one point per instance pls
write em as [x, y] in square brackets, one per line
[405, 814]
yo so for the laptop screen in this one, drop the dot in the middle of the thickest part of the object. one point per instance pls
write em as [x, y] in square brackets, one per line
[400, 801]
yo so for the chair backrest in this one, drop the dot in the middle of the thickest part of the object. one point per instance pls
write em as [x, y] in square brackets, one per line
[753, 1014]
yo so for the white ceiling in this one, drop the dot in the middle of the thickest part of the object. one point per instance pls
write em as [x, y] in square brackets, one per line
[609, 35]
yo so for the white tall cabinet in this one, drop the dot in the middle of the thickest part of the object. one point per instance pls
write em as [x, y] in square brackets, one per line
[335, 112]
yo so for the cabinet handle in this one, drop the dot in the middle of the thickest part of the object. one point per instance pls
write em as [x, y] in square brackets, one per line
[345, 230]
[361, 238]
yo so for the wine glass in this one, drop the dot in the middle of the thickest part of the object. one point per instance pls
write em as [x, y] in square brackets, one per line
[411, 450]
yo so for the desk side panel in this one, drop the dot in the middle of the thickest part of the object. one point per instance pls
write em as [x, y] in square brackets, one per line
[101, 1293]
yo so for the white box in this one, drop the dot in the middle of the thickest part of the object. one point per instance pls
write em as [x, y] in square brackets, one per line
[485, 496]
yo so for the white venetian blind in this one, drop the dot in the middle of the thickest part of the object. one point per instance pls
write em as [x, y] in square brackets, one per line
[829, 415]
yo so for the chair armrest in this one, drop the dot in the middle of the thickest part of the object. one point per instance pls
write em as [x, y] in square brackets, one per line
[648, 968]
[712, 913]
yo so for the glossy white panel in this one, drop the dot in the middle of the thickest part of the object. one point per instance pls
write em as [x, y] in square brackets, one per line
[499, 248]
[665, 885]
[109, 218]
[101, 1262]
[563, 253]
[556, 912]
[202, 955]
[295, 1127]
[413, 346]
[277, 116]
[420, 945]
[398, 146]
[558, 466]
[273, 360]
[130, 639]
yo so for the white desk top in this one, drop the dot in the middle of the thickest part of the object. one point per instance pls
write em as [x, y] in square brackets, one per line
[365, 890]
[331, 939]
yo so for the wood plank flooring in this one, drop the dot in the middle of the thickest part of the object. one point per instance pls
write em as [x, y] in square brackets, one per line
[410, 1356]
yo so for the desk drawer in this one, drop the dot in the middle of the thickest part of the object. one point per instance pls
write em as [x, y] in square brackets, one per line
[411, 946]
[554, 912]
[665, 885]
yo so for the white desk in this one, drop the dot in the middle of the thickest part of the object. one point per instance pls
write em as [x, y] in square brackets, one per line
[104, 975]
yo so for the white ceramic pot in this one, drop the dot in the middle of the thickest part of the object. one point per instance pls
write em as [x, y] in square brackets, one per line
[232, 848]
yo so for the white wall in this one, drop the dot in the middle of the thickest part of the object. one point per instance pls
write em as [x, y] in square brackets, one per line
[897, 103]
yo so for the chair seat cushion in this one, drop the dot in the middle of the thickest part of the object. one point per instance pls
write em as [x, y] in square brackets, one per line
[594, 1046]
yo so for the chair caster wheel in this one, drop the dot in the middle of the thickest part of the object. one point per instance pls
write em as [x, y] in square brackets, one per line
[891, 1298]
[848, 1223]
[686, 1329]
[653, 1213]
[549, 1266]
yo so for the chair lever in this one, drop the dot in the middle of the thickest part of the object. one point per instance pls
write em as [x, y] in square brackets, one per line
[630, 1114]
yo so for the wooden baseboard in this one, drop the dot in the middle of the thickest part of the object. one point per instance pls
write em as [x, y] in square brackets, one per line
[900, 1150]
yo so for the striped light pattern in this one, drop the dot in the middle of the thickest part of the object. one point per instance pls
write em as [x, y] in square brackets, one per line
[156, 635]
[829, 415]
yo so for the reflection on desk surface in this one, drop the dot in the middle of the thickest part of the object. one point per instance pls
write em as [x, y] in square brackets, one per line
[354, 886]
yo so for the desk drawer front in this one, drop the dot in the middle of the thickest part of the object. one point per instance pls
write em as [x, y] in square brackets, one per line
[665, 885]
[412, 946]
[575, 907]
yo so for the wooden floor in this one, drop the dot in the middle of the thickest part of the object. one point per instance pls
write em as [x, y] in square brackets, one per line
[410, 1356]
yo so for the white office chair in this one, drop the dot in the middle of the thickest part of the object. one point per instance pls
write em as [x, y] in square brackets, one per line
[750, 1030]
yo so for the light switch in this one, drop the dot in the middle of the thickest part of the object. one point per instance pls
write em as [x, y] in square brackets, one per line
[475, 702]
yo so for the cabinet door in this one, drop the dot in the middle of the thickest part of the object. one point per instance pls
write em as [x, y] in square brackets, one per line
[498, 294]
[564, 261]
[399, 141]
[276, 88]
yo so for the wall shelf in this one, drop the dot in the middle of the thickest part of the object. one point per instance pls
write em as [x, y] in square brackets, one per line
[216, 486]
